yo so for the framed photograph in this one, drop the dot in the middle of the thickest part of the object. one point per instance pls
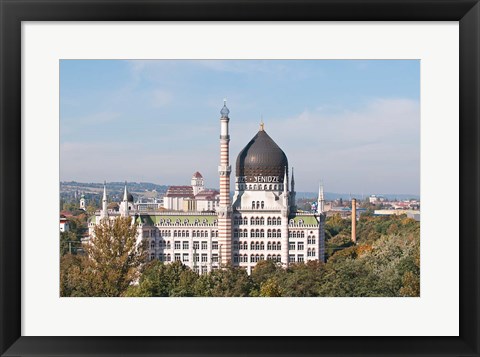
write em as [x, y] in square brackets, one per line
[239, 178]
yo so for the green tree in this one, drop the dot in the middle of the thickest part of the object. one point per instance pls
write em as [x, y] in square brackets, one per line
[69, 243]
[114, 258]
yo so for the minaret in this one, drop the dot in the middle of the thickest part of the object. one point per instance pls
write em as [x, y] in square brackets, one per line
[292, 194]
[124, 212]
[224, 209]
[321, 200]
[285, 213]
[104, 213]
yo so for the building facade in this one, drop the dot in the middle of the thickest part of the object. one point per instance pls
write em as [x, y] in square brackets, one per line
[261, 222]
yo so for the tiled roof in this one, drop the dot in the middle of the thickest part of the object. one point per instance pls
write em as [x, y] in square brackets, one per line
[179, 191]
[207, 195]
[197, 175]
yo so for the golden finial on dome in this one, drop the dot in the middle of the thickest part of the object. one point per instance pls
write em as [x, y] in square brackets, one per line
[261, 124]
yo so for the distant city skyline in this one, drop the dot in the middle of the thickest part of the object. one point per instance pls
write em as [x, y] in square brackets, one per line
[355, 124]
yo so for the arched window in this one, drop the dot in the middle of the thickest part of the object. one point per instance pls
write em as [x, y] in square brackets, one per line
[245, 220]
[245, 233]
[245, 258]
[274, 246]
[257, 233]
[279, 233]
[252, 221]
[257, 246]
[274, 233]
[235, 258]
[313, 252]
[269, 246]
[262, 246]
[302, 234]
[258, 204]
[253, 204]
[279, 258]
[269, 221]
[252, 233]
[262, 221]
[262, 257]
[279, 246]
[152, 245]
[257, 258]
[262, 233]
[252, 245]
[263, 204]
[235, 233]
[269, 233]
[183, 233]
[269, 257]
[274, 221]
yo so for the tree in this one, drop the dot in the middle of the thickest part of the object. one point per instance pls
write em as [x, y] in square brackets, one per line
[68, 243]
[113, 257]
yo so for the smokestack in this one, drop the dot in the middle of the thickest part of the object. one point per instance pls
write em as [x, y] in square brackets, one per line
[354, 220]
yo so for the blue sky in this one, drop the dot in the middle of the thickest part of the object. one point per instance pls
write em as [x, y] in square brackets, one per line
[355, 124]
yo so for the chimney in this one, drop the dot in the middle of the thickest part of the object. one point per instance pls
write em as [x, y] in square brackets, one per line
[354, 220]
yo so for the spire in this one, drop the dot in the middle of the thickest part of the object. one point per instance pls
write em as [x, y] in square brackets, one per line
[104, 212]
[285, 181]
[125, 193]
[321, 200]
[292, 185]
[224, 112]
[262, 125]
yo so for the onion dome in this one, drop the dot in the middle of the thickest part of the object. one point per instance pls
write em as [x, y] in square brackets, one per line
[262, 157]
[224, 110]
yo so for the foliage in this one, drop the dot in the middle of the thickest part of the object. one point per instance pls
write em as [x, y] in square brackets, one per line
[113, 261]
[384, 262]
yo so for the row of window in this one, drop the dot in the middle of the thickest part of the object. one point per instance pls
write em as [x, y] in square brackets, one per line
[178, 221]
[257, 246]
[258, 221]
[300, 258]
[185, 258]
[259, 187]
[179, 233]
[183, 245]
[254, 258]
[257, 233]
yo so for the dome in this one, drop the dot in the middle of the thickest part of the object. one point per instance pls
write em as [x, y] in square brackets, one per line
[262, 157]
[224, 112]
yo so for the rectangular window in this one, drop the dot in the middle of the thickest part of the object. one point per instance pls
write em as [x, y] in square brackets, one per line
[204, 245]
[204, 258]
[300, 246]
[291, 258]
[177, 245]
[197, 257]
[215, 258]
[215, 245]
[291, 246]
[177, 257]
[196, 245]
[204, 270]
[300, 258]
[185, 258]
[185, 245]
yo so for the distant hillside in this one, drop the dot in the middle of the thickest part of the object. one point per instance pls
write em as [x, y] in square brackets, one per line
[329, 196]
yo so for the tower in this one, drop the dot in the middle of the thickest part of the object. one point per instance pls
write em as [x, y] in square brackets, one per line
[197, 183]
[321, 200]
[124, 204]
[354, 220]
[293, 206]
[104, 213]
[224, 210]
[285, 212]
[82, 202]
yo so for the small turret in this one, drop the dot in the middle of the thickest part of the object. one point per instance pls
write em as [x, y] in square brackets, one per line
[321, 200]
[104, 212]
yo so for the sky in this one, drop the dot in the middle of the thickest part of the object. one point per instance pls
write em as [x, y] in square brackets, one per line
[353, 124]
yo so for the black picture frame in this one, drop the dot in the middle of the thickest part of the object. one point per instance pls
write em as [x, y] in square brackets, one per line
[13, 12]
